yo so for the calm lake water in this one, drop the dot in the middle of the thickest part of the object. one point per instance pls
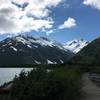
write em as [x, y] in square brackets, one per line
[7, 74]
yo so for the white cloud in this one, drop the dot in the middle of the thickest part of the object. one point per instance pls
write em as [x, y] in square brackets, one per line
[38, 8]
[35, 16]
[92, 3]
[4, 2]
[69, 23]
[50, 32]
[28, 24]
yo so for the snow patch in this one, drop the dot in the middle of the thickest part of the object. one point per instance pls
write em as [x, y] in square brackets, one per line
[4, 45]
[13, 48]
[21, 39]
[49, 62]
[42, 42]
[29, 46]
[9, 43]
[76, 45]
[37, 62]
[61, 61]
[35, 46]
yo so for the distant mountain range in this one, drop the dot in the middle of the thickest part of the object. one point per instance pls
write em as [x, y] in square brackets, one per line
[89, 55]
[27, 50]
[22, 50]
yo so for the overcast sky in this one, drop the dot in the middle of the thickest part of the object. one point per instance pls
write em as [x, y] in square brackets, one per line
[60, 20]
[7, 74]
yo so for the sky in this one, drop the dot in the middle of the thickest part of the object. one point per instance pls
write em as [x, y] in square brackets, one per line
[59, 20]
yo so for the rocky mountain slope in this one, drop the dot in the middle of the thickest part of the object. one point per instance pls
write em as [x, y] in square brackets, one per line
[22, 50]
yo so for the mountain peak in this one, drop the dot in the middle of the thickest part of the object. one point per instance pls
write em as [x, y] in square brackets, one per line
[90, 55]
[29, 50]
[44, 38]
[75, 45]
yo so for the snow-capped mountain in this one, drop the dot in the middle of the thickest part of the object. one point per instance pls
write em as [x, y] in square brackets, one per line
[76, 45]
[88, 56]
[26, 50]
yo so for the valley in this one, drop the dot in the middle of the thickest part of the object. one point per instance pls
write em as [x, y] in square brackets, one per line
[49, 50]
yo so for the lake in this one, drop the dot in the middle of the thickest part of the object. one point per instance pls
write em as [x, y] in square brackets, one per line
[7, 74]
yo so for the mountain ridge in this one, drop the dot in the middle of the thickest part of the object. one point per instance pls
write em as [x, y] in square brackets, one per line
[29, 50]
[75, 45]
[89, 55]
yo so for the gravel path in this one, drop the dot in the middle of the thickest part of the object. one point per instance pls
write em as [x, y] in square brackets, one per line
[92, 92]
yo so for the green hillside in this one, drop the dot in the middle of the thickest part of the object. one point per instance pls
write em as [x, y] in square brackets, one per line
[89, 55]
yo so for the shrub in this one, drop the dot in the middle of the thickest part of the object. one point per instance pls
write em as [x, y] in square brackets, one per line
[39, 84]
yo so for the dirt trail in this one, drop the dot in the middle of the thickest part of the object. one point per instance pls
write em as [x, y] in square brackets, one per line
[92, 92]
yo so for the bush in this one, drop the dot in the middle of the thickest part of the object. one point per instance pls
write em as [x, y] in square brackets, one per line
[40, 84]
